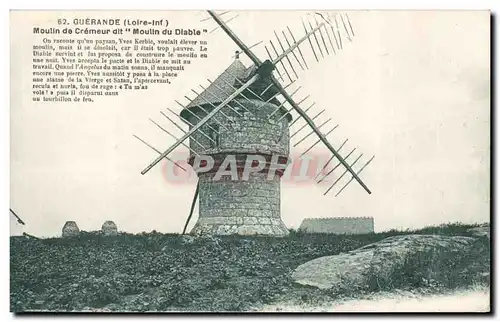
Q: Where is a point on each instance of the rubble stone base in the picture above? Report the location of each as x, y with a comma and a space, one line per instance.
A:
247, 226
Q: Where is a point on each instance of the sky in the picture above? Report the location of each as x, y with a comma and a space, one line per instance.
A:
412, 88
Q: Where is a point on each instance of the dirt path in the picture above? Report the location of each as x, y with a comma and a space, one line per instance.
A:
477, 300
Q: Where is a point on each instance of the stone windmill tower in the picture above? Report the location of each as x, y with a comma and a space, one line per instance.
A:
239, 133
234, 204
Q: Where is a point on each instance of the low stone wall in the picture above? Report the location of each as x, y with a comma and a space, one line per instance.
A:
338, 225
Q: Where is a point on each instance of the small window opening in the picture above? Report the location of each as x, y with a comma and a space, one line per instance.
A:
214, 134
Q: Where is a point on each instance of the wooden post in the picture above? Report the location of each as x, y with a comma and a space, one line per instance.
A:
193, 204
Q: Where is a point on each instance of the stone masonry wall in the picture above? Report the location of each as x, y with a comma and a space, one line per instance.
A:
338, 225
257, 197
244, 207
240, 207
250, 133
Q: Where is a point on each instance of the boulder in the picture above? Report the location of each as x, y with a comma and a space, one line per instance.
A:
109, 228
483, 231
70, 229
383, 259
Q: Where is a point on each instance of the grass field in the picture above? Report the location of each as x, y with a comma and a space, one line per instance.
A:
164, 272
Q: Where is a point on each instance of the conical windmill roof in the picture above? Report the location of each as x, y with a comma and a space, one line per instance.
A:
220, 89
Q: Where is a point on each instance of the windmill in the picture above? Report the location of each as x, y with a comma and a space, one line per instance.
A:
247, 113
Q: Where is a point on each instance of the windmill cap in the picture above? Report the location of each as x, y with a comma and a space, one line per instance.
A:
221, 88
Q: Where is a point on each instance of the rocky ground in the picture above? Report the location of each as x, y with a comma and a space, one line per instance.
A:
158, 272
475, 299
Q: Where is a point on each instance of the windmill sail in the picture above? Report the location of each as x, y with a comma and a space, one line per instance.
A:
200, 123
319, 134
19, 220
313, 32
235, 38
239, 82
